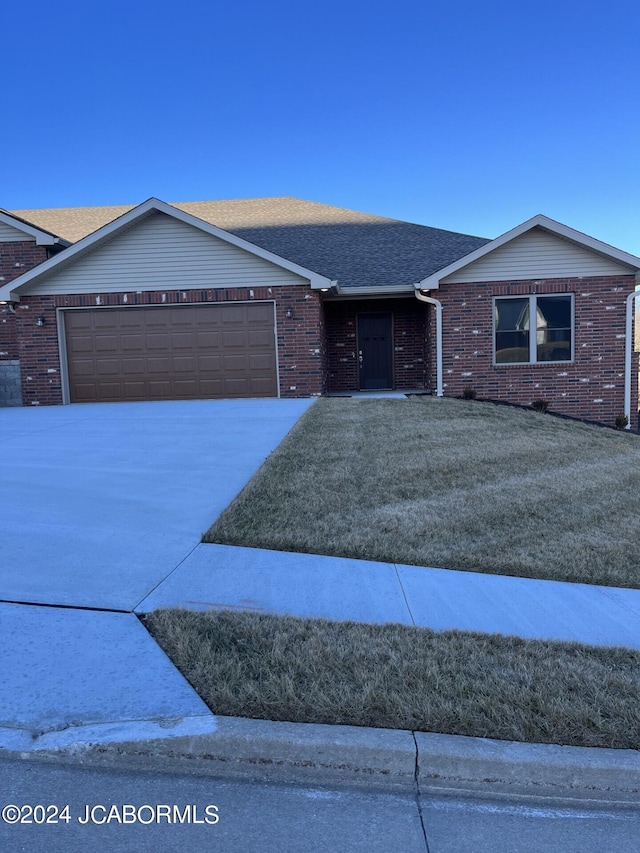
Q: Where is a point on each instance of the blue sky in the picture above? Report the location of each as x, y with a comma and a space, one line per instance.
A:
466, 116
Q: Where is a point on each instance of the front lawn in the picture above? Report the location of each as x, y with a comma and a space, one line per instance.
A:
400, 677
448, 483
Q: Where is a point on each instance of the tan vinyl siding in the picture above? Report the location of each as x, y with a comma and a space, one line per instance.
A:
163, 253
8, 234
537, 254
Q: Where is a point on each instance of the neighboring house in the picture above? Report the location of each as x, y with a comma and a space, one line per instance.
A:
283, 297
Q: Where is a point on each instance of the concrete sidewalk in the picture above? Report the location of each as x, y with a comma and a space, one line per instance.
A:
220, 576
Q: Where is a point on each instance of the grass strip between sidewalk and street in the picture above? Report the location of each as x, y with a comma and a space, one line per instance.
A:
448, 483
394, 676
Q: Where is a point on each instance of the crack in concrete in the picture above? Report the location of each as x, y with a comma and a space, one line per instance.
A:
416, 777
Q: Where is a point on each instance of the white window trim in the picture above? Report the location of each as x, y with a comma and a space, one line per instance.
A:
533, 341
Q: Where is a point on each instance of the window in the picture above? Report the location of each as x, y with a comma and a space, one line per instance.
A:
553, 337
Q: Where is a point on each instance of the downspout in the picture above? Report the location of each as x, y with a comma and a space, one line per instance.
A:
628, 351
438, 305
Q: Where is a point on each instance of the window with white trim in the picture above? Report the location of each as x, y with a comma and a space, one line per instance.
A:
514, 342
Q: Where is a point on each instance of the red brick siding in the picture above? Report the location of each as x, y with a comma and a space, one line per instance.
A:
409, 330
301, 349
591, 387
15, 259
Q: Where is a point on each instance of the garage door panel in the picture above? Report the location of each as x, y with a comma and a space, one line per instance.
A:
237, 387
233, 339
171, 352
78, 320
105, 320
81, 344
86, 393
85, 367
132, 342
212, 387
259, 362
182, 340
259, 338
179, 317
262, 387
184, 364
235, 363
155, 318
208, 340
107, 367
210, 363
260, 313
133, 366
160, 390
134, 390
109, 390
158, 341
106, 343
235, 314
131, 320
157, 364
185, 388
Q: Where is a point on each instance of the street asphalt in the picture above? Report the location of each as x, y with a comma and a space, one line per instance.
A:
104, 507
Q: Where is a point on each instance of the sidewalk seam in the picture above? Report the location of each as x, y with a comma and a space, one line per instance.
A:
404, 594
160, 582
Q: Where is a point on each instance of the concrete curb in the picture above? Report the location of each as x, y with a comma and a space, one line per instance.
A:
452, 761
392, 759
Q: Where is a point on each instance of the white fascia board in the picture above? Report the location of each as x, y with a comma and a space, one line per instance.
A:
538, 221
41, 237
11, 292
7, 294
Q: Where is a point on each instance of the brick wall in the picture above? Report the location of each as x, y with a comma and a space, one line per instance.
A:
591, 387
300, 339
15, 259
409, 330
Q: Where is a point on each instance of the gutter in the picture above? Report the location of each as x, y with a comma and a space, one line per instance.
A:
438, 306
628, 351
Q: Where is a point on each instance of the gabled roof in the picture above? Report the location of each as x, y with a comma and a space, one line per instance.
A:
577, 237
364, 253
10, 291
42, 236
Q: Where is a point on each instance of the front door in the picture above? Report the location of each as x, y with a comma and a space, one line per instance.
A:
375, 352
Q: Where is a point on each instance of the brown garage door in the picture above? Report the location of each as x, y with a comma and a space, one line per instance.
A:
171, 352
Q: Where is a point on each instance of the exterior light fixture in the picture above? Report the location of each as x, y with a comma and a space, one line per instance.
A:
40, 321
288, 313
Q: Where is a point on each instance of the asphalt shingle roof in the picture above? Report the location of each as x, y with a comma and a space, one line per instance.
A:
356, 249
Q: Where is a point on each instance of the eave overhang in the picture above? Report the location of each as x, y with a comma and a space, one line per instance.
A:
11, 291
42, 238
432, 282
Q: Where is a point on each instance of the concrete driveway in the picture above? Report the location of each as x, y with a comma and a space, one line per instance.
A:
100, 504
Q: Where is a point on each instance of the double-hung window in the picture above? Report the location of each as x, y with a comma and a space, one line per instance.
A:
532, 329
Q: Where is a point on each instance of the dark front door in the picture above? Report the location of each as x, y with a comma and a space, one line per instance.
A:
375, 352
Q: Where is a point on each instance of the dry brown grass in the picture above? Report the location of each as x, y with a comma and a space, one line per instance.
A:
449, 483
394, 676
